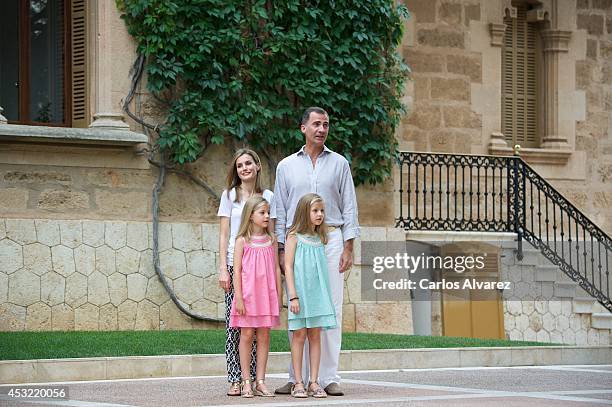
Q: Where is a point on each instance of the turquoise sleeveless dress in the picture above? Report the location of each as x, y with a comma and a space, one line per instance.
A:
312, 286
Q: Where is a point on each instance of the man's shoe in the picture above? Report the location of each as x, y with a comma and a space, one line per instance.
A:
286, 389
333, 389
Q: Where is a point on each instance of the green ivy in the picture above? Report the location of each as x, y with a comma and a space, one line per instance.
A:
247, 69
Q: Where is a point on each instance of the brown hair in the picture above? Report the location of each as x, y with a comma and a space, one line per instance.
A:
234, 181
313, 109
252, 204
301, 220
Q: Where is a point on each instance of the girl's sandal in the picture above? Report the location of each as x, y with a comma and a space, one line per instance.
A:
298, 393
246, 390
263, 393
317, 392
234, 389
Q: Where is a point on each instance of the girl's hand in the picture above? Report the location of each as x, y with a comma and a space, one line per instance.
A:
224, 278
294, 306
240, 307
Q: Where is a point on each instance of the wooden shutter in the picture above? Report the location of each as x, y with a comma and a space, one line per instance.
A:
79, 76
519, 81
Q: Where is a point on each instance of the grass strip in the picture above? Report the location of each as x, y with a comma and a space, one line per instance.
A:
54, 345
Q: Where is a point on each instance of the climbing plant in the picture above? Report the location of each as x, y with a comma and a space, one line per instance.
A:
247, 69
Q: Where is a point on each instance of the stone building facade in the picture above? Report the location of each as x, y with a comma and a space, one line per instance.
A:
75, 204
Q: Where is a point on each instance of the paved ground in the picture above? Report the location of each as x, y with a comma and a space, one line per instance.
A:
519, 386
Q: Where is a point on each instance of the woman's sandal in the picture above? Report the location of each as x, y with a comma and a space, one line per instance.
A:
318, 392
263, 393
246, 390
234, 389
298, 393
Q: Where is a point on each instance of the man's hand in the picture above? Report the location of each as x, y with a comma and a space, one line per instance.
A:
224, 278
281, 261
346, 259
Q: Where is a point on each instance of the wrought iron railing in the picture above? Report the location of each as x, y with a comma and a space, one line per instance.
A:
451, 192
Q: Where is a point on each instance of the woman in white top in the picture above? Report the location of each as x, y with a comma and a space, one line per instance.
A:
243, 181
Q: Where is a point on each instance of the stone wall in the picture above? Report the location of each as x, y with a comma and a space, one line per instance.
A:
98, 275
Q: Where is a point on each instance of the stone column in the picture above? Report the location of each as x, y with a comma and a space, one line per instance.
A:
106, 116
554, 42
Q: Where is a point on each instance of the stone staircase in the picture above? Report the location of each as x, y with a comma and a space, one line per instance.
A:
566, 289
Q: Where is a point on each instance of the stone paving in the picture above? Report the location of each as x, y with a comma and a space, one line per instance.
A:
541, 386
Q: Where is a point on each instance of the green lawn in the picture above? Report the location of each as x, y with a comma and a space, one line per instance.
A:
52, 345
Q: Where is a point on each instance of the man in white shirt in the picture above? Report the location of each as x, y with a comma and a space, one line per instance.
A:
315, 168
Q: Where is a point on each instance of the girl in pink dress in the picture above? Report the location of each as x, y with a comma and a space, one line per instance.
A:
256, 304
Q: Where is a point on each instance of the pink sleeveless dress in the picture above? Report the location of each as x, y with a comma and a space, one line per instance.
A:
258, 286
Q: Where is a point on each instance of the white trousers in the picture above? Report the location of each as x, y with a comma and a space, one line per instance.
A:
331, 339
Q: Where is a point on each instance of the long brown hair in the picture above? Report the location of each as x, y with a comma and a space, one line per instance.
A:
234, 181
301, 220
251, 205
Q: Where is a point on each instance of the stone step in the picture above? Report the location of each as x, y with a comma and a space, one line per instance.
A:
601, 320
565, 289
531, 257
583, 305
548, 273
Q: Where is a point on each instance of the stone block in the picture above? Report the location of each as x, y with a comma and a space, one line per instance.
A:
465, 65
47, 232
171, 318
52, 288
136, 287
12, 317
97, 289
60, 200
450, 89
212, 291
440, 38
93, 233
71, 233
172, 263
137, 236
156, 292
201, 263
421, 61
422, 11
21, 177
38, 317
108, 318
535, 322
2, 229
37, 258
472, 12
352, 284
569, 337
12, 199
63, 260
582, 4
21, 231
76, 290
115, 234
62, 318
181, 205
188, 288
203, 307
460, 116
348, 318
422, 88
146, 264
592, 49
3, 288
593, 23
86, 318
24, 288
105, 260
210, 236
485, 357
384, 318
128, 368
164, 239
147, 316
128, 260
425, 117
187, 236
11, 256
609, 24
117, 288
130, 204
85, 259
126, 315
450, 13
584, 72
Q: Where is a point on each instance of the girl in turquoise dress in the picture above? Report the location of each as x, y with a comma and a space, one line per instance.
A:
310, 303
